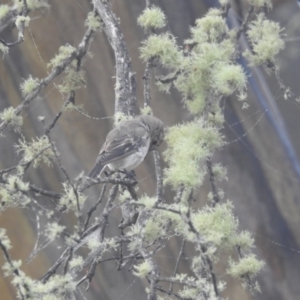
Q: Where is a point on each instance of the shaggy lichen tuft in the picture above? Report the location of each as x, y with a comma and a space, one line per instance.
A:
152, 17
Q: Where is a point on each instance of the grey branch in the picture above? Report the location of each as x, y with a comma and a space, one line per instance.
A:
125, 90
159, 176
78, 53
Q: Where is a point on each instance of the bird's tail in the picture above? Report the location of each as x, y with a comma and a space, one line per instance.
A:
97, 169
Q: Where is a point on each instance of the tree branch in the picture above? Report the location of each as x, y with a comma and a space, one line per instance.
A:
125, 90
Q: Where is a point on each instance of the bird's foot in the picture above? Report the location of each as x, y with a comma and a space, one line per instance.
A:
129, 174
109, 173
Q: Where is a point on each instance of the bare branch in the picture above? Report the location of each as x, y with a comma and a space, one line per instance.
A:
125, 91
159, 176
44, 192
146, 77
177, 264
81, 50
94, 207
245, 22
216, 198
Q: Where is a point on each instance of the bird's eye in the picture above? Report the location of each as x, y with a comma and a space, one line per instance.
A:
154, 143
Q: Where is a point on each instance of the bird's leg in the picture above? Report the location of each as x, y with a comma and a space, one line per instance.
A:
109, 173
123, 171
130, 174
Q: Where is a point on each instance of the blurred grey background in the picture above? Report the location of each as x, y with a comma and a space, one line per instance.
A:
263, 181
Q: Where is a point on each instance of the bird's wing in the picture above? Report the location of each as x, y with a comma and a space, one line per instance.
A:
119, 149
118, 146
122, 148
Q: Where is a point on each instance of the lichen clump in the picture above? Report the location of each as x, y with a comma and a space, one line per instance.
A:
152, 17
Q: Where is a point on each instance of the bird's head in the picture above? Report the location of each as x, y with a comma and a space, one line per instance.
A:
156, 128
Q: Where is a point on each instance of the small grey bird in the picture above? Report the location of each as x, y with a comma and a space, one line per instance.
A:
128, 143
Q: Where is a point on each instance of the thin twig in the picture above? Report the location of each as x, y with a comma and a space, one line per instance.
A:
23, 13
14, 269
69, 258
245, 22
216, 198
44, 192
94, 207
89, 276
159, 176
146, 77
179, 193
56, 265
125, 89
81, 49
177, 264
113, 180
26, 165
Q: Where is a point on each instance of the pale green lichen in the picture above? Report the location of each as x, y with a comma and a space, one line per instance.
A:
152, 17
93, 22
194, 289
164, 87
210, 70
15, 183
164, 48
57, 287
64, 53
142, 270
133, 234
216, 117
147, 110
154, 226
5, 197
245, 105
4, 10
69, 106
265, 39
261, 3
147, 202
4, 49
204, 73
217, 225
190, 145
152, 231
248, 265
12, 193
70, 239
242, 96
93, 243
244, 240
224, 2
70, 200
210, 28
10, 117
124, 195
72, 81
120, 117
38, 151
53, 230
188, 293
29, 85
22, 21
9, 268
33, 4
111, 244
227, 78
219, 171
76, 261
4, 239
